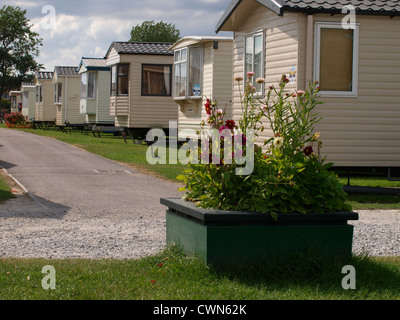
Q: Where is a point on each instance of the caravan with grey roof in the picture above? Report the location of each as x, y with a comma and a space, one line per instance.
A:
95, 88
66, 93
357, 67
141, 85
45, 110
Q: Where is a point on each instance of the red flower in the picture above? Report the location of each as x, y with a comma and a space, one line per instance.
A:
208, 107
159, 264
230, 124
308, 151
153, 281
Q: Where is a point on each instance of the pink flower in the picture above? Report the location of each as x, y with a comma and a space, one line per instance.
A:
250, 74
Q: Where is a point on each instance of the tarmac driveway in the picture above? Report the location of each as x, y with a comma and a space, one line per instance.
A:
81, 205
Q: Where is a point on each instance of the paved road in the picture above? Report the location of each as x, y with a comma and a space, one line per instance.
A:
83, 205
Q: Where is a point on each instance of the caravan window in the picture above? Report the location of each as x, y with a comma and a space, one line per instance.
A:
156, 80
88, 85
254, 59
188, 69
336, 59
120, 80
58, 93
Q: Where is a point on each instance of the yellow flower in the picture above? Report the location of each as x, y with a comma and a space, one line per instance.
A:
316, 136
278, 142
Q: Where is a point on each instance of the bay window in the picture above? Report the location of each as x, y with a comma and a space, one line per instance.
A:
188, 69
336, 59
88, 85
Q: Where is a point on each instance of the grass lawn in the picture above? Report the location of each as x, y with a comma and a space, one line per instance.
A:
173, 276
5, 189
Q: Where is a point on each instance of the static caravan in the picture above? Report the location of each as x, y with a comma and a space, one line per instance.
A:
67, 88
28, 93
141, 85
45, 109
95, 91
355, 58
15, 100
202, 70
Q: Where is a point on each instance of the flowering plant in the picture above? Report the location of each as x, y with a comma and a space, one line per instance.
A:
15, 120
289, 174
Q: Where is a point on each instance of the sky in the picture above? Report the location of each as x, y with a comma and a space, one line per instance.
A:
86, 28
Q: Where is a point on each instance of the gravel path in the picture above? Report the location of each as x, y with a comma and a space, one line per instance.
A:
28, 230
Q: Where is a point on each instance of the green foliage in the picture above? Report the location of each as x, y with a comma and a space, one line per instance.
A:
149, 31
18, 47
288, 175
6, 104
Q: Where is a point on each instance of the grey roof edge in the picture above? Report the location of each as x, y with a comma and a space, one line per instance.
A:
57, 69
38, 73
227, 14
97, 68
280, 6
114, 43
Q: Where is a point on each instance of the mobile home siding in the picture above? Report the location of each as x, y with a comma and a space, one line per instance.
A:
46, 110
135, 110
163, 109
28, 102
69, 108
365, 130
280, 48
103, 96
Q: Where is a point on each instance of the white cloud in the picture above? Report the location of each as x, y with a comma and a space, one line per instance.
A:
87, 27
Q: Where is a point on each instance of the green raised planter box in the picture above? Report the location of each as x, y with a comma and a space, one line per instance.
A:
221, 238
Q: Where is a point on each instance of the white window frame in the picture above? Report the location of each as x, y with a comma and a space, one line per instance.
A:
57, 94
317, 56
261, 33
85, 77
187, 61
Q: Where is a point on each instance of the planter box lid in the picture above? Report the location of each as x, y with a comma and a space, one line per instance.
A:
211, 216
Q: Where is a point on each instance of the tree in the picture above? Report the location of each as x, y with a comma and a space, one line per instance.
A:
18, 47
150, 31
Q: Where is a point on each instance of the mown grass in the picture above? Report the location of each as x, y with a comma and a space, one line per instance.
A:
171, 275
5, 190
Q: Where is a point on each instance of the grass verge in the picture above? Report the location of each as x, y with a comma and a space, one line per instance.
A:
171, 275
5, 187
